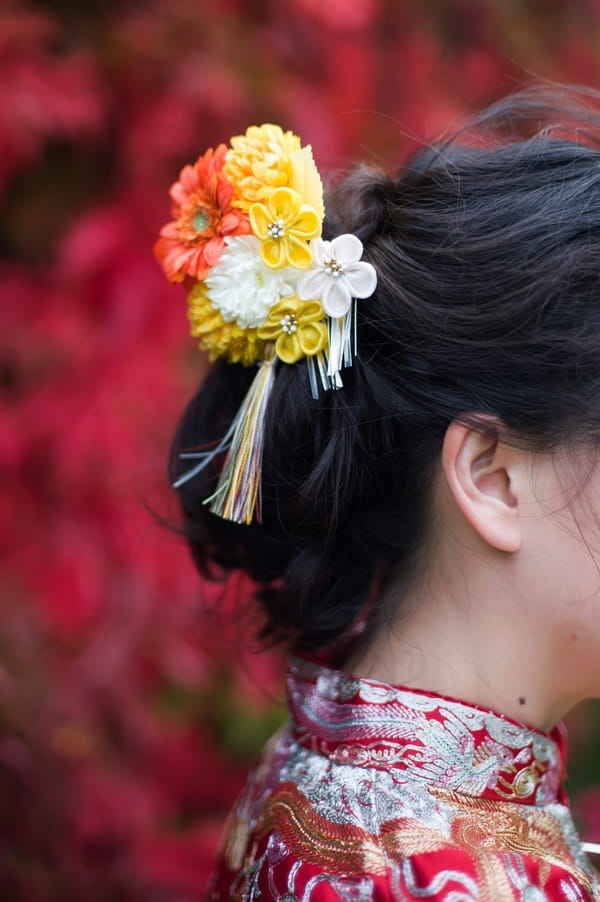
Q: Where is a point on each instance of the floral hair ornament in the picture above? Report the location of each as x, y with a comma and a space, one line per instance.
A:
264, 287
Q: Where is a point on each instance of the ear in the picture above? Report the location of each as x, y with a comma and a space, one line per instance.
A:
483, 475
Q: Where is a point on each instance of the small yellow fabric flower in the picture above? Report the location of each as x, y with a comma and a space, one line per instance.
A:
296, 327
218, 337
259, 161
285, 225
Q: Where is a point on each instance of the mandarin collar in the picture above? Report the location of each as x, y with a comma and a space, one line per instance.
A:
418, 736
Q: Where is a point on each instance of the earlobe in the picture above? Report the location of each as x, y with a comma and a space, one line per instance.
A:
480, 471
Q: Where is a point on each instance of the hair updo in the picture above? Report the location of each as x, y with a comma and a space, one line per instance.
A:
487, 251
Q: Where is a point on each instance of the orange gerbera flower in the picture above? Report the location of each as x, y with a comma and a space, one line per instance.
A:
202, 218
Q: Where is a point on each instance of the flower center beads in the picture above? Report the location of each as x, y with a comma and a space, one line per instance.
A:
289, 324
276, 229
334, 268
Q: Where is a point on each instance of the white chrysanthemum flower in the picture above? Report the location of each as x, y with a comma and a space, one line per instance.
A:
242, 288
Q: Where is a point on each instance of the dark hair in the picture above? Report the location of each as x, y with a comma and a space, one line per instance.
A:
487, 250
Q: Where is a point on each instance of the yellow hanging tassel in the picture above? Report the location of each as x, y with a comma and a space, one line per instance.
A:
237, 496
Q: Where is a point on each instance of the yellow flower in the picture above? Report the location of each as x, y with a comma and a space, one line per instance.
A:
296, 327
306, 180
259, 161
285, 225
266, 157
218, 337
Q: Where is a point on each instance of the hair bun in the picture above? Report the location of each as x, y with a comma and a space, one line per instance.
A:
362, 204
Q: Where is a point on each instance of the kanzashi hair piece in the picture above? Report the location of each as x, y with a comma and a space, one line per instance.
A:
264, 287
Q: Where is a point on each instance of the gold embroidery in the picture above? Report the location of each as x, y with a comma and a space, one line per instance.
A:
544, 872
343, 848
239, 826
480, 829
496, 827
339, 848
406, 837
524, 784
237, 831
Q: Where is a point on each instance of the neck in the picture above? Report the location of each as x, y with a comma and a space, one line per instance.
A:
479, 642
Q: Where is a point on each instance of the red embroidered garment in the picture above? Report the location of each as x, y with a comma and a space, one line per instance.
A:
375, 792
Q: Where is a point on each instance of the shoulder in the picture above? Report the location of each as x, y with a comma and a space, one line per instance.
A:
454, 847
309, 828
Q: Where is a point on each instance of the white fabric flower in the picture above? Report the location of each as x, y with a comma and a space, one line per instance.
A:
337, 275
242, 288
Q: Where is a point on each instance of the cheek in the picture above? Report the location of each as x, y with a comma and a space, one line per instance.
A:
581, 528
574, 553
576, 569
563, 564
578, 653
564, 569
571, 527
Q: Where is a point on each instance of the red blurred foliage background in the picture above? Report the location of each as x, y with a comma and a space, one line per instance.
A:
128, 716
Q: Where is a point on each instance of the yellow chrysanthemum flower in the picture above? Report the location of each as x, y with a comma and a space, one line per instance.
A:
218, 337
285, 225
296, 327
259, 161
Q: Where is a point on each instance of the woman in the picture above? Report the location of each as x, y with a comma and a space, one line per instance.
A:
412, 482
